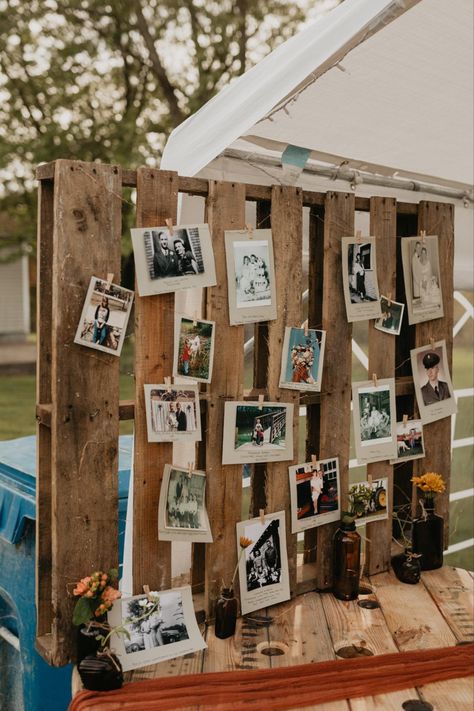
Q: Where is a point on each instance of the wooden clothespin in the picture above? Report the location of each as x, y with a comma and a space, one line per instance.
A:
110, 278
374, 379
405, 420
260, 402
190, 469
146, 589
389, 298
169, 225
358, 237
314, 461
168, 383
432, 341
423, 235
369, 479
195, 319
305, 327
249, 230
261, 513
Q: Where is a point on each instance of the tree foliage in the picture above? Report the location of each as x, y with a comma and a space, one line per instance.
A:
108, 81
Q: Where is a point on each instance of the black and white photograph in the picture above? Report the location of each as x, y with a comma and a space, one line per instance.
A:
263, 567
359, 278
251, 276
193, 349
376, 507
374, 416
392, 316
104, 318
182, 514
257, 432
421, 274
302, 359
433, 386
314, 490
172, 413
410, 443
171, 258
160, 626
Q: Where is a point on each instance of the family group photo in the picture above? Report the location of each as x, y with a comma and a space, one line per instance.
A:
185, 500
375, 415
263, 559
252, 273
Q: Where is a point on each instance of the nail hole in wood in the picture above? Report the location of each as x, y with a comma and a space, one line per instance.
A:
417, 705
352, 651
368, 604
365, 590
272, 649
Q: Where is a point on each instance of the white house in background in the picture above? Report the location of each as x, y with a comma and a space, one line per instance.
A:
14, 298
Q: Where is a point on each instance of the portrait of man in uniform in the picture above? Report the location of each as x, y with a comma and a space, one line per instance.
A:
434, 389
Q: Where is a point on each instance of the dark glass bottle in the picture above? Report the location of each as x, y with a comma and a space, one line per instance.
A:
428, 537
226, 614
88, 642
407, 567
101, 671
346, 562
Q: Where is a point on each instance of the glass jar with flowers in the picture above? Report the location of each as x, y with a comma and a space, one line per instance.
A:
346, 572
428, 529
226, 605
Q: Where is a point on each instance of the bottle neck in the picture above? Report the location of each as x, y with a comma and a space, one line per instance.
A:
227, 592
347, 525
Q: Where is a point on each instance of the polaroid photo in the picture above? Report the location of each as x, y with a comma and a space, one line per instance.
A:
255, 432
392, 316
169, 260
263, 567
314, 490
250, 276
433, 386
374, 413
104, 317
172, 413
302, 359
359, 278
376, 508
182, 514
410, 443
193, 349
169, 631
421, 274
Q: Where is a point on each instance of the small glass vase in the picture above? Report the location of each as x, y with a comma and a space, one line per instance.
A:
346, 562
101, 671
407, 567
428, 536
226, 614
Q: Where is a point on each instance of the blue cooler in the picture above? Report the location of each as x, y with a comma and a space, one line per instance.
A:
27, 683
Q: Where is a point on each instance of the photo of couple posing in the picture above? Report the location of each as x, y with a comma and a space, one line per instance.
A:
172, 254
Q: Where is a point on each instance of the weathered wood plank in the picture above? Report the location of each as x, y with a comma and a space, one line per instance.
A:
299, 625
452, 590
225, 211
44, 314
383, 224
417, 624
456, 695
438, 219
287, 235
157, 200
84, 463
336, 383
238, 652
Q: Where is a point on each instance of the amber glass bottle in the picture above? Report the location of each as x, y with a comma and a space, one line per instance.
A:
346, 561
226, 614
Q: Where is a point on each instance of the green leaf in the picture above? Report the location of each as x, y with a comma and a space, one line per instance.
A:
83, 611
113, 574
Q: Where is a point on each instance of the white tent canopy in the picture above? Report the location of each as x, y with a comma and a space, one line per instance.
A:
379, 92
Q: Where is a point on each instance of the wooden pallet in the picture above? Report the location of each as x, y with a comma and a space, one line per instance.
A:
78, 408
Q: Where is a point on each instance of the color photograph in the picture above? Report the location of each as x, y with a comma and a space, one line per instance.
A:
410, 443
193, 349
376, 506
172, 413
302, 359
374, 418
256, 432
169, 259
182, 514
359, 278
433, 386
104, 318
421, 275
314, 489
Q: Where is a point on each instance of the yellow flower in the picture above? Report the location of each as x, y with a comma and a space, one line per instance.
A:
430, 483
245, 542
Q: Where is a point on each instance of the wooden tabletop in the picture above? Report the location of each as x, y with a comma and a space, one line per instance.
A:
437, 612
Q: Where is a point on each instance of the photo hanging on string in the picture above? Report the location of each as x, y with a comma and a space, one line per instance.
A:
172, 413
182, 514
359, 278
314, 490
376, 507
250, 276
392, 316
302, 359
193, 349
410, 443
421, 275
255, 432
433, 387
104, 317
374, 417
170, 259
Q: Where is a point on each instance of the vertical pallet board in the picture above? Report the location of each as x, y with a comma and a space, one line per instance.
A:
225, 211
383, 225
336, 385
287, 233
438, 219
315, 317
44, 311
85, 390
157, 200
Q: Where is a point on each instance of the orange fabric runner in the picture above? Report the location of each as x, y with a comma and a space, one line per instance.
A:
285, 688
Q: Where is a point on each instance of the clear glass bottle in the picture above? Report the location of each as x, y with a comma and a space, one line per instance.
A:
346, 561
428, 536
226, 614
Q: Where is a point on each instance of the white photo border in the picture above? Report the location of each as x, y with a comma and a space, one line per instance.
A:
179, 318
443, 408
288, 385
255, 454
365, 310
378, 451
169, 533
194, 436
299, 525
